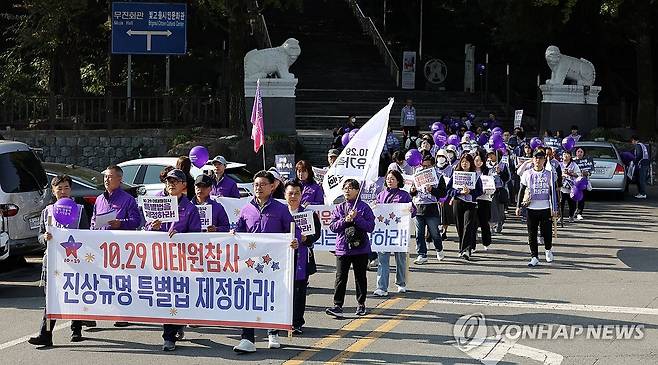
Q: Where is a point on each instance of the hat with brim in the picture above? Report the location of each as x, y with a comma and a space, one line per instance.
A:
219, 159
176, 174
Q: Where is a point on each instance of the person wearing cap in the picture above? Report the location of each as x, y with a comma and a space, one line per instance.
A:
264, 214
464, 205
114, 199
451, 152
278, 192
202, 187
223, 185
188, 221
312, 193
332, 155
537, 194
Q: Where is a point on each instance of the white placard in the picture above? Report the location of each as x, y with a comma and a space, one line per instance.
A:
304, 221
162, 208
463, 179
104, 219
425, 177
488, 182
518, 116
205, 213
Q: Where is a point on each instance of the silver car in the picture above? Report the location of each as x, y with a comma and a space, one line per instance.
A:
609, 172
23, 195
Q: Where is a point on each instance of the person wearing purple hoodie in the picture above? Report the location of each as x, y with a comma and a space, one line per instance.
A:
219, 221
264, 214
224, 185
312, 193
351, 220
393, 194
188, 221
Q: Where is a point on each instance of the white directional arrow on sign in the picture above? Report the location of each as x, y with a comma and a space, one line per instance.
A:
148, 34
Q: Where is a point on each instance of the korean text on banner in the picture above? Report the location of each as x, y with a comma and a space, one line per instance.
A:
360, 158
391, 234
425, 177
214, 279
518, 117
205, 213
304, 221
488, 182
162, 208
585, 164
463, 179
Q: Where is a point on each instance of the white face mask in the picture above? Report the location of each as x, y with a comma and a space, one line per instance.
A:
441, 161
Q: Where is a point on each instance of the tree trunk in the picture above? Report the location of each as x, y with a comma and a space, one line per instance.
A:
237, 47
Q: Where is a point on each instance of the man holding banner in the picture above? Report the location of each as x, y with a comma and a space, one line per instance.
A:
214, 217
263, 214
188, 221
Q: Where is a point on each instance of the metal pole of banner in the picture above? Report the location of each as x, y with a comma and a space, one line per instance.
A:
48, 327
291, 264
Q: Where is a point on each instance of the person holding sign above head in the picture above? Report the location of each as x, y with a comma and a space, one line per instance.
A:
304, 259
223, 185
264, 214
219, 219
426, 199
61, 188
464, 188
351, 220
393, 194
188, 221
537, 194
312, 193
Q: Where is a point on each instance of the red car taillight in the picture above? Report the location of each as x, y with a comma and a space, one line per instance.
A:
620, 170
90, 199
8, 210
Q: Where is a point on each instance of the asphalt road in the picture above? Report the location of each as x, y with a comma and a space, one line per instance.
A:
603, 281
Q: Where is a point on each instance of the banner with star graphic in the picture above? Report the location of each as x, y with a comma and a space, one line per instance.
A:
212, 279
392, 228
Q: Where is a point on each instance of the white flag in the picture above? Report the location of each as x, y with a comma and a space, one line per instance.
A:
360, 158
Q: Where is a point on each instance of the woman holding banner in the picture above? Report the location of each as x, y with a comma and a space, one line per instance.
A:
570, 171
444, 169
464, 194
580, 157
61, 188
500, 172
312, 193
484, 200
351, 220
393, 194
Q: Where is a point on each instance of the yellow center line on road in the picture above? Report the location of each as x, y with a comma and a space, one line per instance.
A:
342, 332
377, 333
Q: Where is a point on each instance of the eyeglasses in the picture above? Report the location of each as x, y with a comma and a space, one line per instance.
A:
348, 188
261, 185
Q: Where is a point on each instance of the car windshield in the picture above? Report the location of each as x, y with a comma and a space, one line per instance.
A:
21, 172
240, 175
84, 175
602, 152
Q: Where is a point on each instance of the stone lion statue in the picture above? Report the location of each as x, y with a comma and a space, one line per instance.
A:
259, 63
566, 67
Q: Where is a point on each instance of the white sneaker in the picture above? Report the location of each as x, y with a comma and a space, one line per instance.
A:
486, 248
579, 217
274, 342
402, 289
380, 293
245, 346
533, 262
420, 260
440, 255
549, 256
641, 196
570, 219
474, 250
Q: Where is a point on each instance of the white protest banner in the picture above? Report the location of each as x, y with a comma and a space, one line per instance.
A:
463, 179
213, 279
304, 221
162, 208
408, 182
488, 182
319, 173
205, 213
425, 177
360, 158
504, 160
233, 206
518, 116
391, 234
521, 160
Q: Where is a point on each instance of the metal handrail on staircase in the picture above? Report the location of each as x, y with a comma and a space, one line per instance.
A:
369, 27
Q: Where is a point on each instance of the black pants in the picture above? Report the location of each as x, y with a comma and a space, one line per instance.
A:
566, 198
466, 220
483, 216
360, 265
539, 220
581, 204
250, 334
299, 303
76, 326
169, 331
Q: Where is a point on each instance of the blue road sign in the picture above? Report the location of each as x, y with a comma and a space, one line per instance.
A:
149, 28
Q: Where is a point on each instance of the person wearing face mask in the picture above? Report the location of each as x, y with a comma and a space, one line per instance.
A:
464, 208
483, 201
444, 169
501, 175
451, 152
428, 216
570, 171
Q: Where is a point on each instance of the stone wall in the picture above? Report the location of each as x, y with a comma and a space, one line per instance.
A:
98, 148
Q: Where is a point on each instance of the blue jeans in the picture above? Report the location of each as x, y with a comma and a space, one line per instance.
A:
643, 171
432, 224
384, 269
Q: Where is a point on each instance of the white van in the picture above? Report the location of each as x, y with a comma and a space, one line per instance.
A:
23, 195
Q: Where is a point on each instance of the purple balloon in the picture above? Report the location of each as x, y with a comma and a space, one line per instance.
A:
471, 135
576, 194
345, 139
496, 139
413, 157
568, 143
454, 140
499, 145
353, 132
199, 156
437, 126
443, 199
483, 139
581, 183
65, 211
440, 139
497, 130
627, 157
535, 142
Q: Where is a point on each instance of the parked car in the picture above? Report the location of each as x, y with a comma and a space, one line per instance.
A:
4, 245
146, 171
609, 172
23, 195
87, 184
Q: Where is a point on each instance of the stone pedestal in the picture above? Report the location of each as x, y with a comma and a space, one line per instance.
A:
278, 104
566, 105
